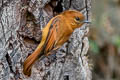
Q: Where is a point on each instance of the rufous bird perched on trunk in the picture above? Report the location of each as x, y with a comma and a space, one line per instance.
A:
54, 35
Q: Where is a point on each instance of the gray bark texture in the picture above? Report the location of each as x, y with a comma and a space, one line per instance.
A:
21, 22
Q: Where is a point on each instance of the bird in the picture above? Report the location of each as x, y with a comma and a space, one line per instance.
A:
54, 35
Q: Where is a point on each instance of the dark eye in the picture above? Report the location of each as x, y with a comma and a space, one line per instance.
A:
77, 18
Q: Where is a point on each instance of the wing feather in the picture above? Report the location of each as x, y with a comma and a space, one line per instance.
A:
50, 42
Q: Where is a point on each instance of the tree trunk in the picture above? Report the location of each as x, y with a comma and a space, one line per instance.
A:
21, 22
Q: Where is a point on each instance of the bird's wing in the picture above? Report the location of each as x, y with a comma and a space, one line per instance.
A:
51, 39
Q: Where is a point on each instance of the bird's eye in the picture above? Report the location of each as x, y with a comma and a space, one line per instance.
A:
77, 18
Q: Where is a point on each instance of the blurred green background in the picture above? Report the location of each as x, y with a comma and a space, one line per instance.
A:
104, 37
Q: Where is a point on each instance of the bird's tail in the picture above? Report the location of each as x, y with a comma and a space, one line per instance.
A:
31, 60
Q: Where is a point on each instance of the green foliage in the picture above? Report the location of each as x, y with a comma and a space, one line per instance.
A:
116, 41
94, 46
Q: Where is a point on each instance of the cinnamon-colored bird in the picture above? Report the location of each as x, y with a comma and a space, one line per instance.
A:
54, 35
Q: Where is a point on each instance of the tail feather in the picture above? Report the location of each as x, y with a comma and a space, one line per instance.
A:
31, 60
28, 64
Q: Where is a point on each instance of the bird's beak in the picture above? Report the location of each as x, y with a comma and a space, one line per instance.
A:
86, 21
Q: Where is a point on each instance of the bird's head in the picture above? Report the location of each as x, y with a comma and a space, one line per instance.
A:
74, 18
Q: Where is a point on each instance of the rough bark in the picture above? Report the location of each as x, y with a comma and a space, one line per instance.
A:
21, 22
